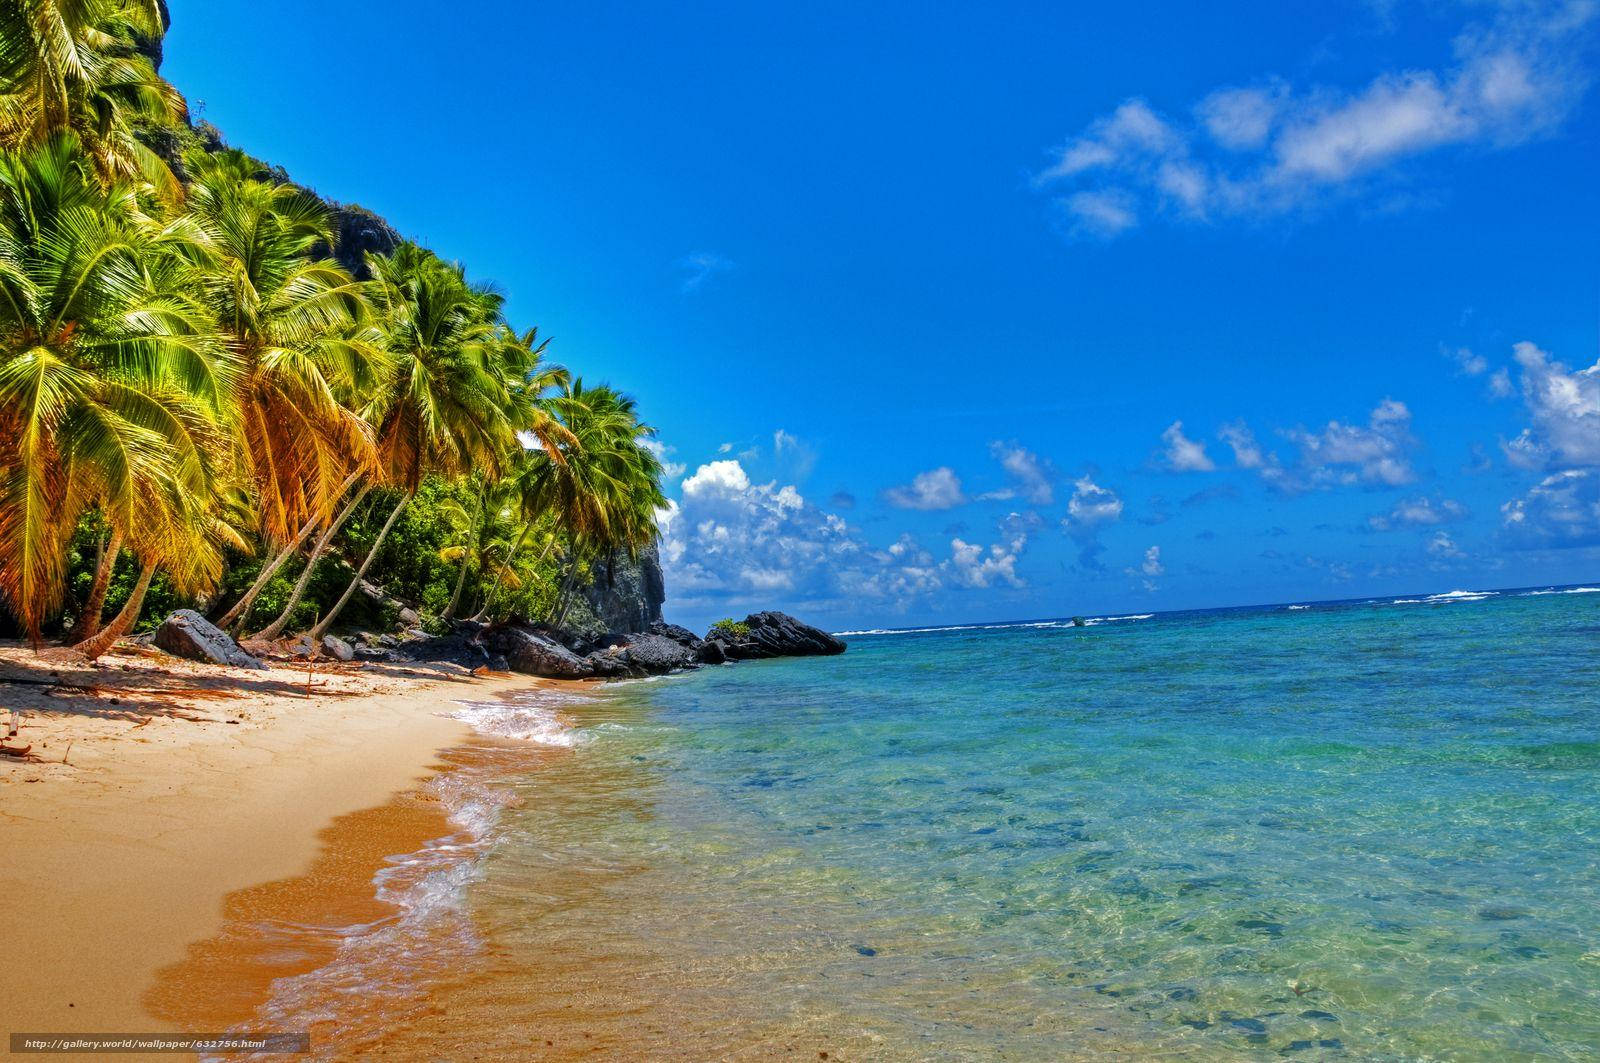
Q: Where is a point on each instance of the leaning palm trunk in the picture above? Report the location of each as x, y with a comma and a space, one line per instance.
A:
274, 629
89, 623
500, 577
241, 609
466, 558
102, 641
361, 573
564, 602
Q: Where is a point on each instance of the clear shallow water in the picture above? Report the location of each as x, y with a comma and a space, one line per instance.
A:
1364, 831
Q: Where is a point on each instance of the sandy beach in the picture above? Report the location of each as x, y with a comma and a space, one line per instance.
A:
158, 792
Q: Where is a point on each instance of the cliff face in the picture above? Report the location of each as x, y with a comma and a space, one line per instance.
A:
625, 596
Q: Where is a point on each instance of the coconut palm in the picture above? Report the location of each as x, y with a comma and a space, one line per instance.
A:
604, 488
450, 398
298, 325
111, 373
83, 66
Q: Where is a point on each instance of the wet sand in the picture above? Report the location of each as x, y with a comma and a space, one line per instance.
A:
158, 792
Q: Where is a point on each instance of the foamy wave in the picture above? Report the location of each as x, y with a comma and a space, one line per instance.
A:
1292, 607
1447, 596
530, 716
1036, 625
1563, 590
387, 964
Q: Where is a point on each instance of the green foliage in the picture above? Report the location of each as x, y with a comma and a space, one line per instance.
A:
729, 628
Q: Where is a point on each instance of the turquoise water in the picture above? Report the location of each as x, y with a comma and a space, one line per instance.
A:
1350, 831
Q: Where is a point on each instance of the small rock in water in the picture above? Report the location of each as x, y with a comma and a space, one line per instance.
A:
1324, 1016
1500, 913
1183, 992
1253, 1025
1266, 926
866, 950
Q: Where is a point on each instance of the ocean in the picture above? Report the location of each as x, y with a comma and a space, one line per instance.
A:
1346, 830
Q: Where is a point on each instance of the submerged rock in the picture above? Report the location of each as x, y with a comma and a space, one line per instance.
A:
188, 634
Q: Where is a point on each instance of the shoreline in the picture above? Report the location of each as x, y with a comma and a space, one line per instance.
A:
159, 791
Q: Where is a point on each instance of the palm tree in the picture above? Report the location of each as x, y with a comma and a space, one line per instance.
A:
450, 398
299, 331
111, 373
81, 65
604, 488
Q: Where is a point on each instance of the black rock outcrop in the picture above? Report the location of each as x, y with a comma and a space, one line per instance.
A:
777, 635
188, 634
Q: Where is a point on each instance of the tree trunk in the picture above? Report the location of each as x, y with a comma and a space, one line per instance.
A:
241, 609
102, 641
274, 629
89, 622
466, 556
564, 602
501, 575
333, 614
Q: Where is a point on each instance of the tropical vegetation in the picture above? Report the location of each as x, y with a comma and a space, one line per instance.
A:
207, 399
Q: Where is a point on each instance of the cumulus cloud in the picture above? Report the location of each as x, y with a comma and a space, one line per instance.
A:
1149, 569
1418, 512
1090, 508
729, 543
1561, 510
1338, 454
1269, 148
935, 489
1470, 364
1564, 406
971, 565
1183, 454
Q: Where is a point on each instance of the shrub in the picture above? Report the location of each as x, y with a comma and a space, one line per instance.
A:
729, 628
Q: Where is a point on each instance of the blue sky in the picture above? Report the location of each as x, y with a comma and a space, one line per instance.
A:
948, 313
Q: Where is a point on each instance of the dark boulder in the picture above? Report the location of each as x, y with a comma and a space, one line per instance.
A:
681, 635
188, 634
535, 653
713, 651
610, 664
779, 635
657, 654
337, 648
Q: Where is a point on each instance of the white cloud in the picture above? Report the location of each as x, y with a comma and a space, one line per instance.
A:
935, 489
731, 545
1565, 408
1418, 512
1471, 364
971, 565
1561, 510
1338, 454
1440, 545
1149, 569
1500, 386
1268, 149
1090, 508
1184, 454
1033, 478
1102, 214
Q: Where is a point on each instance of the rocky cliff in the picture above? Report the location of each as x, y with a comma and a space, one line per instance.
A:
625, 595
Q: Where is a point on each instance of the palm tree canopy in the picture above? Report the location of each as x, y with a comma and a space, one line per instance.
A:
605, 485
80, 65
300, 329
111, 375
451, 401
